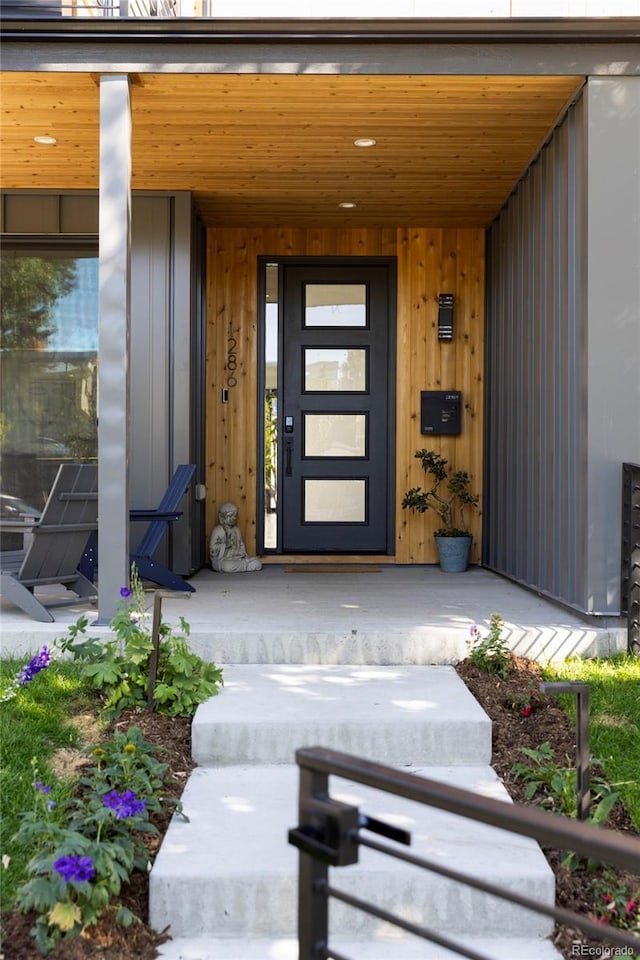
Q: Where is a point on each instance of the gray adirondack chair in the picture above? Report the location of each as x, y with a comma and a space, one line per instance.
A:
55, 546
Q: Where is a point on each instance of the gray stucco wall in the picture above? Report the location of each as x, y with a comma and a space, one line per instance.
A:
613, 305
563, 355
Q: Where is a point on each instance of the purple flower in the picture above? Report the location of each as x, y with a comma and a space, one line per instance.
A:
134, 805
75, 868
41, 787
85, 869
66, 867
125, 592
112, 799
35, 665
125, 804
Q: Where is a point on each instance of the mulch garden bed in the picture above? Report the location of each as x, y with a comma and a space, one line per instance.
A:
511, 731
109, 940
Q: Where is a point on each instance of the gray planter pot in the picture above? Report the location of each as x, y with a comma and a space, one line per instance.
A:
454, 553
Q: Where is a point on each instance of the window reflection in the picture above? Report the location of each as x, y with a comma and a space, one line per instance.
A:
49, 354
335, 370
335, 305
335, 501
335, 435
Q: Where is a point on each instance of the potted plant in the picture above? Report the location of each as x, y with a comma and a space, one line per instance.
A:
453, 540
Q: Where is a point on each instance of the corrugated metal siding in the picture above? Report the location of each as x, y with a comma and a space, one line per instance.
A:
536, 432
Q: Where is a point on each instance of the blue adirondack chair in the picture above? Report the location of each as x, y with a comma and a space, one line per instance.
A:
159, 519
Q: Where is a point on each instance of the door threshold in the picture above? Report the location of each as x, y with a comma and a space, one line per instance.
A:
333, 558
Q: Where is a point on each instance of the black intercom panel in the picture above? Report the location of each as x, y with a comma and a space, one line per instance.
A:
440, 412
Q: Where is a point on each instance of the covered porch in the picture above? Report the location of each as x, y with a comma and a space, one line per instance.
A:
240, 142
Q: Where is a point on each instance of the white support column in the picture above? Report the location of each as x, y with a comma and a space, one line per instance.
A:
113, 341
613, 318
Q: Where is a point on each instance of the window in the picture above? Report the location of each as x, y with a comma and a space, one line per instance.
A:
270, 360
49, 356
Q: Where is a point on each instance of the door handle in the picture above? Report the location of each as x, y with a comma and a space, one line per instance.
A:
288, 452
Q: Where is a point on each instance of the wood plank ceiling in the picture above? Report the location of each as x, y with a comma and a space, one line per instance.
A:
266, 150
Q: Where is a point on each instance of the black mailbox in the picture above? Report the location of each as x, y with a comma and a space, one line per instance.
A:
440, 411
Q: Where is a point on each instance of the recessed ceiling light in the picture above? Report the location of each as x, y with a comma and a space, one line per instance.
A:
365, 142
347, 204
49, 141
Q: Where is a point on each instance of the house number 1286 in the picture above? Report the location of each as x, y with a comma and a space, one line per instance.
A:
232, 359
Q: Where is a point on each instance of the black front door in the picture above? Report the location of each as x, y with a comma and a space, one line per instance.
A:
336, 442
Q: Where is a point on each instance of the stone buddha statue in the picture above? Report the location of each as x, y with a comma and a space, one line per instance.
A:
226, 547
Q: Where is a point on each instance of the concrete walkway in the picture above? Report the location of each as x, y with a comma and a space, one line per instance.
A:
359, 661
340, 660
225, 879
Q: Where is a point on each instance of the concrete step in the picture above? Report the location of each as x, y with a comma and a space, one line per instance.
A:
333, 644
229, 871
393, 715
495, 948
423, 644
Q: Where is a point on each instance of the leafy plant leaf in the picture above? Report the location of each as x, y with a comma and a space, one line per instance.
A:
104, 673
65, 916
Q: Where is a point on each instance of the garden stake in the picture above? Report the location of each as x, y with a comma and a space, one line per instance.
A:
155, 637
581, 691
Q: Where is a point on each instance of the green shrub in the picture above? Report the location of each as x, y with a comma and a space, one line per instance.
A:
119, 667
491, 653
87, 845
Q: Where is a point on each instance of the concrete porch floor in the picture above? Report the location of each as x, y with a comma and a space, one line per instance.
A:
386, 613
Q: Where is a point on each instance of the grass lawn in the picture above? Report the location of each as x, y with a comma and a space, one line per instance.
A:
614, 726
34, 726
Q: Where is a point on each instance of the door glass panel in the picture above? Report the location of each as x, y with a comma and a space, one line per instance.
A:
335, 434
335, 305
334, 501
335, 370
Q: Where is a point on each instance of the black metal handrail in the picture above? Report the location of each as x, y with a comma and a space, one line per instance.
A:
630, 565
329, 834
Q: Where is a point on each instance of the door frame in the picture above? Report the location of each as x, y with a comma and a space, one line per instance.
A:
390, 263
